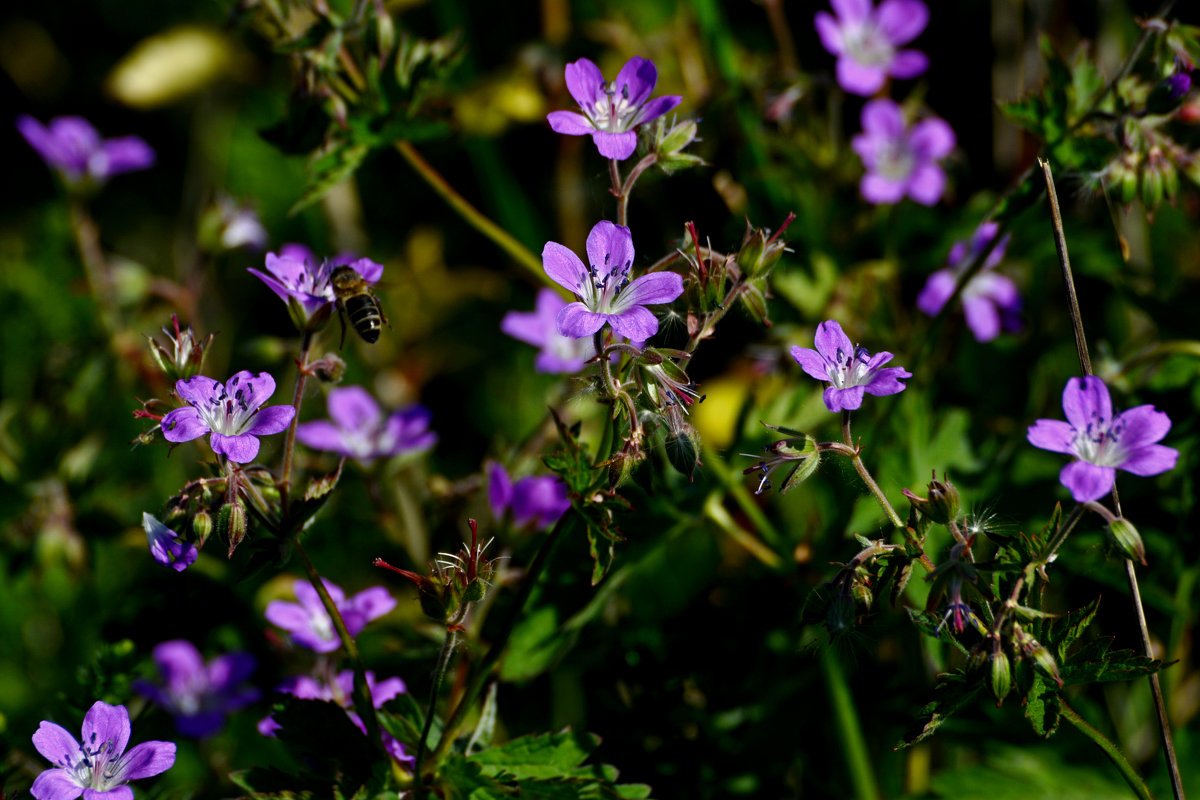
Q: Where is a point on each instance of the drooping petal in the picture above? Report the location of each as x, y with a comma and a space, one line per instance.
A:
636, 80
931, 139
831, 341
147, 759
1140, 426
499, 489
1052, 434
812, 362
575, 321
564, 267
1087, 482
926, 184
908, 64
585, 82
322, 434
619, 146
570, 123
651, 289
829, 32
56, 744
183, 425
55, 784
166, 547
880, 190
1086, 401
902, 20
540, 498
240, 449
103, 722
609, 248
863, 80
983, 318
637, 323
849, 399
1150, 459
655, 108
272, 419
353, 409
936, 292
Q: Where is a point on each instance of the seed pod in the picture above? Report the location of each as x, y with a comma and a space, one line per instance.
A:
1127, 539
1001, 676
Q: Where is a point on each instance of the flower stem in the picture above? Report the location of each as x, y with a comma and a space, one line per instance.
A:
1060, 243
1109, 747
289, 447
849, 728
506, 241
863, 473
439, 675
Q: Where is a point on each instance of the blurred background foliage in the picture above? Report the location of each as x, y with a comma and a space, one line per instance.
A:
689, 660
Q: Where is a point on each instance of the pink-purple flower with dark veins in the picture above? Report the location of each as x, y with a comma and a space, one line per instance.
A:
357, 428
900, 160
611, 111
99, 768
309, 623
199, 695
991, 302
851, 371
232, 414
72, 146
606, 293
866, 41
1101, 442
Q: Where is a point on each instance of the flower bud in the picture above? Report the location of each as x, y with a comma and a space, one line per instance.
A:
941, 505
761, 251
669, 145
1001, 676
1042, 658
755, 301
231, 524
1127, 539
182, 356
385, 31
202, 524
1152, 186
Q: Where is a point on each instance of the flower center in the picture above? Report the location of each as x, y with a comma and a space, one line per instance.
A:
321, 625
1100, 444
226, 415
868, 45
601, 292
895, 160
613, 112
98, 766
849, 370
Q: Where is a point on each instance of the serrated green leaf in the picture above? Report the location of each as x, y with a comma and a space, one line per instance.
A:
328, 170
1041, 706
929, 624
549, 755
1064, 632
952, 692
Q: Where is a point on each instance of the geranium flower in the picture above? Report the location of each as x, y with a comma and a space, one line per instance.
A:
309, 623
611, 110
851, 370
166, 545
604, 287
900, 160
294, 274
232, 414
990, 300
358, 430
197, 694
1102, 443
71, 146
558, 353
100, 767
537, 499
865, 40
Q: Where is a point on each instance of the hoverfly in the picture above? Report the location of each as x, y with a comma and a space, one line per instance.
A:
356, 301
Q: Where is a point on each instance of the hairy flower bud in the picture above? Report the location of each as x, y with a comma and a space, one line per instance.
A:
1127, 539
231, 524
1032, 648
182, 356
202, 524
761, 249
941, 505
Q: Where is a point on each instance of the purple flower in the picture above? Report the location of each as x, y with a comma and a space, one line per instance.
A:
199, 695
865, 40
166, 546
604, 287
296, 275
990, 300
900, 160
559, 354
851, 370
72, 146
341, 691
232, 413
537, 499
611, 110
1101, 442
311, 626
358, 429
100, 767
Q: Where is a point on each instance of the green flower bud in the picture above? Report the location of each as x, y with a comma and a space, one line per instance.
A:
1127, 539
231, 524
1001, 676
202, 524
942, 504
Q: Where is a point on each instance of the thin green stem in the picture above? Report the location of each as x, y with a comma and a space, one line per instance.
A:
625, 189
614, 174
865, 474
289, 447
849, 729
1060, 243
1110, 749
506, 241
439, 676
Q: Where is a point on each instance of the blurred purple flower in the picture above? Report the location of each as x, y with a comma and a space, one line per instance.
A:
71, 146
851, 370
358, 430
1102, 443
990, 300
232, 413
865, 41
310, 625
199, 695
240, 227
605, 288
341, 691
166, 545
900, 160
559, 354
295, 274
100, 767
611, 110
537, 499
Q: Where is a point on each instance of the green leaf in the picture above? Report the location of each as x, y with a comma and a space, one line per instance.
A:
329, 169
1066, 630
1041, 706
547, 755
534, 645
951, 693
931, 625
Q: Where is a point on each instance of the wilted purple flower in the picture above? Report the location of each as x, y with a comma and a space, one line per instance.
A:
537, 499
100, 767
611, 110
166, 545
1101, 442
851, 370
605, 288
865, 40
199, 695
990, 300
233, 413
310, 625
358, 429
341, 691
900, 160
559, 354
72, 146
296, 275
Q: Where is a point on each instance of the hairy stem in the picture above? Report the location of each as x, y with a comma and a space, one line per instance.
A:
289, 447
1110, 749
439, 675
863, 473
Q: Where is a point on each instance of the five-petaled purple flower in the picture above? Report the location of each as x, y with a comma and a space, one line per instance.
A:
1101, 442
900, 160
341, 691
865, 40
611, 111
309, 623
99, 768
233, 413
990, 300
167, 546
358, 430
851, 370
296, 275
72, 146
558, 353
604, 286
199, 695
536, 499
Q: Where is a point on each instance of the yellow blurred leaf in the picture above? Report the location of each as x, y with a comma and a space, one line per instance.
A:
171, 65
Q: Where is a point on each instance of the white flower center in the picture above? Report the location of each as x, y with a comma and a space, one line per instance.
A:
99, 766
868, 45
229, 416
1101, 445
320, 624
613, 112
895, 160
850, 370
